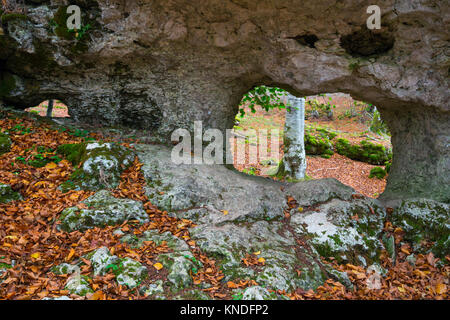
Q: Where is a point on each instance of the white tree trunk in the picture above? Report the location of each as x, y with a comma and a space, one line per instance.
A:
294, 160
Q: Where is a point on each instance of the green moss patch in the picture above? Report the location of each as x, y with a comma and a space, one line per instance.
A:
378, 173
60, 23
73, 152
102, 165
318, 141
7, 17
365, 151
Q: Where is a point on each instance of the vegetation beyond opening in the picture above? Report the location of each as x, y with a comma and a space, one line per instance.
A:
345, 139
59, 110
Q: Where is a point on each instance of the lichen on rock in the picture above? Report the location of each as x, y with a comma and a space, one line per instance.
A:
130, 273
347, 231
152, 289
103, 209
101, 259
424, 219
79, 285
180, 265
258, 293
365, 151
65, 268
101, 165
174, 243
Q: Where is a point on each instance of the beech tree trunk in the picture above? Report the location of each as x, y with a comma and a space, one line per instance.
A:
294, 161
50, 108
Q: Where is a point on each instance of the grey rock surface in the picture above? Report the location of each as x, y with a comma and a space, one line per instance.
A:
159, 66
103, 209
344, 230
101, 165
424, 219
235, 217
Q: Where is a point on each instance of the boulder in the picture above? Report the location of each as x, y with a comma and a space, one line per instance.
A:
425, 220
258, 293
79, 285
103, 209
131, 273
347, 231
128, 272
101, 165
180, 266
102, 260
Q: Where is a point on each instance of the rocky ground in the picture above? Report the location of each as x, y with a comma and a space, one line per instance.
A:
86, 216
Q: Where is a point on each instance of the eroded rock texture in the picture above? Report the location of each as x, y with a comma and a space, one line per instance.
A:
161, 64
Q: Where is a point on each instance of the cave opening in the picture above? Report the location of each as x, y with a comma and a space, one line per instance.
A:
344, 138
51, 108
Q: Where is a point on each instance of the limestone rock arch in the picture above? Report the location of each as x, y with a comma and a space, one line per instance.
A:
162, 64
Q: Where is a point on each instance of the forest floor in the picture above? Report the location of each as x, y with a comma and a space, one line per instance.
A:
30, 243
350, 121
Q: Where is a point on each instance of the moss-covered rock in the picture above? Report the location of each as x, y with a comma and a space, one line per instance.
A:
389, 245
378, 173
180, 265
101, 260
194, 294
318, 141
130, 273
79, 285
101, 165
152, 289
5, 143
60, 24
103, 209
425, 220
346, 231
7, 194
258, 293
174, 243
365, 151
229, 244
64, 268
